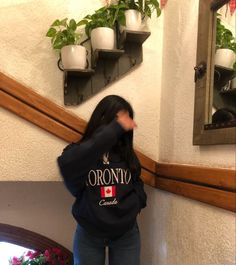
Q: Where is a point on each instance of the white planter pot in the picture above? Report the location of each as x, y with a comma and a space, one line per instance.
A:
74, 57
133, 20
103, 38
225, 57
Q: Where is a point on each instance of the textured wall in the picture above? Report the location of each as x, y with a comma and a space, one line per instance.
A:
27, 56
186, 232
177, 99
43, 207
182, 231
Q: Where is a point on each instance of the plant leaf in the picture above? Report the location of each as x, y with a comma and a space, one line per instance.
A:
72, 24
51, 32
63, 22
56, 23
82, 22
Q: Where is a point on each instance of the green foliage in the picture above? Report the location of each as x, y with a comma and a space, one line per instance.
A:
63, 33
224, 37
145, 7
104, 17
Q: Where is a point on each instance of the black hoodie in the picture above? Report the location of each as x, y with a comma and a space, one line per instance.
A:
108, 196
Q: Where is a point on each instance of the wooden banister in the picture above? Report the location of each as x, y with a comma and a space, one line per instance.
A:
40, 103
215, 186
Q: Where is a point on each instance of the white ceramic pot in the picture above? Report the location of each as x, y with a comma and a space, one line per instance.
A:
133, 20
225, 57
103, 38
74, 57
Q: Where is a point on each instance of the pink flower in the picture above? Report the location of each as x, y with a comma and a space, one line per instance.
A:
34, 254
62, 262
16, 261
47, 255
29, 253
57, 251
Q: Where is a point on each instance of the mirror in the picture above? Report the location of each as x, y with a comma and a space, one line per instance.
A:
215, 76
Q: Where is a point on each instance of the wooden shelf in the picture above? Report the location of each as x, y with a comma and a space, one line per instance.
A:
134, 36
213, 126
107, 66
225, 69
229, 92
108, 54
223, 96
102, 54
81, 73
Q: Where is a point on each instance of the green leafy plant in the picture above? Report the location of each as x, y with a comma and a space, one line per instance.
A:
145, 7
64, 32
224, 37
106, 16
51, 256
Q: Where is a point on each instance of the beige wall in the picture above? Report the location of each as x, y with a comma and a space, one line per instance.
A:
43, 207
177, 100
175, 230
182, 231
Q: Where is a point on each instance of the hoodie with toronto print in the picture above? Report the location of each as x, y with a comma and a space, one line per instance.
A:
108, 195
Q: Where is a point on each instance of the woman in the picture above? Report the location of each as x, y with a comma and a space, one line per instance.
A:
103, 173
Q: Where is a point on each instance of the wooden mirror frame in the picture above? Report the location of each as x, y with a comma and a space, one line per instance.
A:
203, 95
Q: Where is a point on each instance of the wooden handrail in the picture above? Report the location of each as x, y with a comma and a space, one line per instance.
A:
221, 178
40, 103
215, 186
37, 118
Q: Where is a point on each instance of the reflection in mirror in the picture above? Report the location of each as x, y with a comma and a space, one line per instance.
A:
215, 93
223, 91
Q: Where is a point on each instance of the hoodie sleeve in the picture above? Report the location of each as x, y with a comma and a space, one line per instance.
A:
139, 189
139, 186
76, 159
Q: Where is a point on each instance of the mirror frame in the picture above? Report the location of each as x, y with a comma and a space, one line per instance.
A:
203, 86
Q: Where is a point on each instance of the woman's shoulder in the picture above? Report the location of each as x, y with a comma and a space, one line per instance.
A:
70, 145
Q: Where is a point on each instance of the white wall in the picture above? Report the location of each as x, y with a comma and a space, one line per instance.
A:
43, 207
177, 100
183, 231
175, 230
27, 152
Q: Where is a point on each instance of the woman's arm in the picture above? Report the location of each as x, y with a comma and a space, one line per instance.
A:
76, 159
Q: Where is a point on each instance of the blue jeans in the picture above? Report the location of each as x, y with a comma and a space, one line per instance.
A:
90, 250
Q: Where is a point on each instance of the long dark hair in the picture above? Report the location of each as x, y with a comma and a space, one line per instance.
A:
105, 112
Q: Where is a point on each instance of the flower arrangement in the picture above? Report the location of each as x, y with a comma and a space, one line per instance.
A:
51, 256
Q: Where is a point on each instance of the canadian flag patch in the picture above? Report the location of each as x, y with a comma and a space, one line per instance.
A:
108, 191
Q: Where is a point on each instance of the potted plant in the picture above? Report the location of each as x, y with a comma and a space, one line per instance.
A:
49, 256
137, 10
225, 46
100, 26
65, 38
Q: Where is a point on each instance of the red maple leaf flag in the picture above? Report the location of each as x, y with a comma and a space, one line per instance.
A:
108, 191
232, 6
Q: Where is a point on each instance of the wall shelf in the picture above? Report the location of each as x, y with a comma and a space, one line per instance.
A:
106, 54
107, 66
223, 96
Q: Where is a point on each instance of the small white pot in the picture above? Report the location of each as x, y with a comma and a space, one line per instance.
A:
133, 20
74, 57
225, 57
103, 38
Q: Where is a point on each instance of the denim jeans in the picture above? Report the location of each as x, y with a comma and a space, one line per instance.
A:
90, 250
